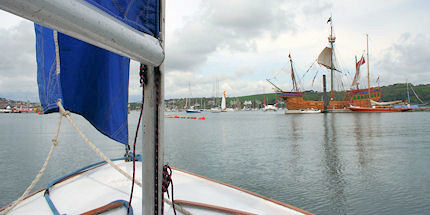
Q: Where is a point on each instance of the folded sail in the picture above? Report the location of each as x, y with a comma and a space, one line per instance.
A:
385, 103
89, 80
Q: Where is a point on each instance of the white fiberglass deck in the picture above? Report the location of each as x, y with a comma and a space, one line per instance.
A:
102, 185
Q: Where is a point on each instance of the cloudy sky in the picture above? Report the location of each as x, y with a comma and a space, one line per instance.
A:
241, 43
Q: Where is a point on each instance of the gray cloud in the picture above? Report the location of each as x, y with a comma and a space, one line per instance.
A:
408, 59
316, 7
18, 62
232, 25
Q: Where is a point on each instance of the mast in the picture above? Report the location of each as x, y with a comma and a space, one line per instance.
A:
293, 77
325, 94
368, 73
153, 132
216, 92
264, 100
354, 81
331, 40
407, 90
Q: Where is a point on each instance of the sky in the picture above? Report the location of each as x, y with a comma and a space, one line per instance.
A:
242, 43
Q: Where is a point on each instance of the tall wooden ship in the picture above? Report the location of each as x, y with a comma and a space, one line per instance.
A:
356, 97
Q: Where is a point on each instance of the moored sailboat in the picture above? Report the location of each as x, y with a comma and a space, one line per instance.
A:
294, 99
371, 105
378, 109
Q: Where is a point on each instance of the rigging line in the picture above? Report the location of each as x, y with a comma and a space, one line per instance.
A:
157, 85
93, 147
308, 70
41, 171
416, 94
313, 79
142, 82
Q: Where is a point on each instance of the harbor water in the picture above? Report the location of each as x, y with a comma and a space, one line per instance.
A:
335, 163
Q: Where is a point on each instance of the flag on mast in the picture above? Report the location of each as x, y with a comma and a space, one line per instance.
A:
360, 62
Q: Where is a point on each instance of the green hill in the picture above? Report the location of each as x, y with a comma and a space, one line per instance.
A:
399, 92
389, 93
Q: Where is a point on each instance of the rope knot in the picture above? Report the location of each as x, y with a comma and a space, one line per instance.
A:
55, 141
166, 181
143, 71
167, 178
65, 113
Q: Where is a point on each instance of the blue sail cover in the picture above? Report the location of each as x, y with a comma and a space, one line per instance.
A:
92, 82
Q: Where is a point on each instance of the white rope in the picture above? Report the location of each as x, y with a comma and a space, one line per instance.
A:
54, 144
41, 171
177, 207
67, 115
57, 52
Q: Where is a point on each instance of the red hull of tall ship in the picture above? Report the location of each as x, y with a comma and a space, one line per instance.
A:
295, 100
379, 109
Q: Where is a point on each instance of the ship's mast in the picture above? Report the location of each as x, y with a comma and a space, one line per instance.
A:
355, 81
331, 40
407, 90
368, 73
293, 77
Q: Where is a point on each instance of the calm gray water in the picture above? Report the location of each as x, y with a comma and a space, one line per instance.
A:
362, 163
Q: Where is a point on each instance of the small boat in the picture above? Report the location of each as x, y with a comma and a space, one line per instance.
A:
303, 111
379, 109
215, 110
192, 110
382, 107
6, 110
270, 108
223, 103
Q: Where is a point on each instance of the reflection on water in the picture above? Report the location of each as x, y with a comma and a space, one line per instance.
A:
333, 166
323, 163
294, 143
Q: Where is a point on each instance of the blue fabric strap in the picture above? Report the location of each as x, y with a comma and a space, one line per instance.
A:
50, 184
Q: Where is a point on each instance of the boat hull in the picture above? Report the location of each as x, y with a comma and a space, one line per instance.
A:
379, 109
96, 187
295, 100
192, 111
302, 111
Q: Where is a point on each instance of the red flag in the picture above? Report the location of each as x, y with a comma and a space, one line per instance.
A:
360, 62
